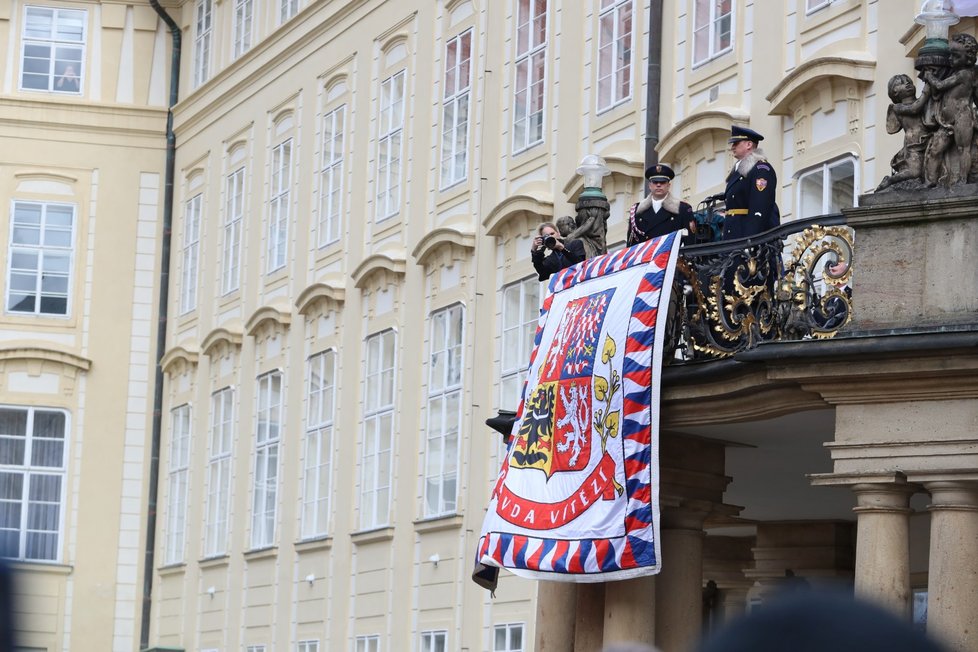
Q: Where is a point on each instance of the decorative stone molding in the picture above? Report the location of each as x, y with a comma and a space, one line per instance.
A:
177, 358
802, 79
320, 298
516, 209
36, 361
220, 341
443, 246
265, 318
388, 267
691, 129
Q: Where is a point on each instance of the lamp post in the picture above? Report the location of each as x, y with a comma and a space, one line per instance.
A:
937, 17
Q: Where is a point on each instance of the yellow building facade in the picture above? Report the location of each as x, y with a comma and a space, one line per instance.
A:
82, 116
356, 189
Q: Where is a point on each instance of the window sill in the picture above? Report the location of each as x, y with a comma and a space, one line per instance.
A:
372, 536
214, 562
48, 568
172, 569
438, 523
313, 545
261, 553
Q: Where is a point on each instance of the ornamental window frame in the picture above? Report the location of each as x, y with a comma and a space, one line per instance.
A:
178, 484
55, 241
269, 417
390, 145
379, 403
714, 31
331, 179
621, 74
318, 444
32, 473
219, 469
203, 37
446, 363
456, 101
825, 169
59, 42
190, 253
530, 74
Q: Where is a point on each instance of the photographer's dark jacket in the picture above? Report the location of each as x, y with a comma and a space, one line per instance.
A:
645, 223
549, 264
749, 198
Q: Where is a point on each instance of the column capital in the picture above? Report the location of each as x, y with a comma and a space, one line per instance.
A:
957, 495
884, 497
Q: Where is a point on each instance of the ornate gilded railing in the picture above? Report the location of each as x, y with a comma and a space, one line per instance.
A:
788, 283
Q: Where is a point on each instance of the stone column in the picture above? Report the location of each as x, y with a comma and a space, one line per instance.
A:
589, 626
679, 609
556, 606
883, 545
952, 587
629, 611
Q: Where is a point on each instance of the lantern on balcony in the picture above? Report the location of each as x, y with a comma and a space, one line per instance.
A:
593, 169
937, 17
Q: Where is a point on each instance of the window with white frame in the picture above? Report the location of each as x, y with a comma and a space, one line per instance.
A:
190, 253
287, 9
508, 638
32, 482
521, 311
614, 53
712, 29
255, 648
40, 258
814, 5
828, 188
307, 646
331, 177
376, 465
278, 208
203, 32
320, 395
219, 473
267, 437
444, 411
233, 219
178, 482
455, 109
243, 19
53, 49
389, 146
531, 65
369, 643
434, 641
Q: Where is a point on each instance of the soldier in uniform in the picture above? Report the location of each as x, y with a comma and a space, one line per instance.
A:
749, 196
659, 213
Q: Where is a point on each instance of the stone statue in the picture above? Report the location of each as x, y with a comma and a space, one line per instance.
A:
906, 114
592, 225
940, 148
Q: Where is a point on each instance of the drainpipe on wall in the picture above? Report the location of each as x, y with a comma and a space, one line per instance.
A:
154, 463
654, 80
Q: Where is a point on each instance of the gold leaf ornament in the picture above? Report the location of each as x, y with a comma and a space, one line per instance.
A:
611, 424
609, 350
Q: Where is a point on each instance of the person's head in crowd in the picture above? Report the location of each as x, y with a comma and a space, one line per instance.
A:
660, 180
628, 647
566, 225
743, 141
813, 621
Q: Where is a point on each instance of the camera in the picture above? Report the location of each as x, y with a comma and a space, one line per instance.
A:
550, 242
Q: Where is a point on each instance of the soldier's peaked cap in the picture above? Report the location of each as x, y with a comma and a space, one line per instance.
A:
738, 134
659, 172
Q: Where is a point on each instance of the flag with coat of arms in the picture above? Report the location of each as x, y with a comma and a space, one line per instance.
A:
577, 497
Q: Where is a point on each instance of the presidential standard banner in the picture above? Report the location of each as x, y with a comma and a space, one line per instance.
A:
577, 497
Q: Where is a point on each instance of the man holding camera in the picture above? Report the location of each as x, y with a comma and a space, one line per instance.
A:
659, 213
550, 253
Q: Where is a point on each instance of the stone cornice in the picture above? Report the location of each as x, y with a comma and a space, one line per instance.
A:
319, 292
266, 314
801, 78
377, 263
45, 353
230, 336
435, 239
511, 207
692, 126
